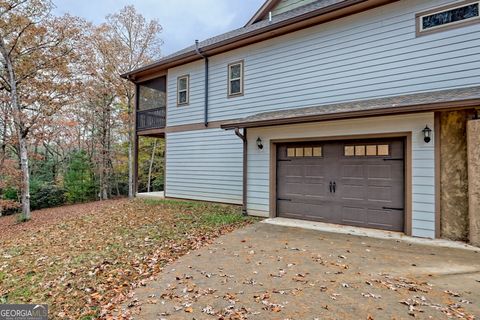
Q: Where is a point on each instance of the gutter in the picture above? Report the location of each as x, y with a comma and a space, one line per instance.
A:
244, 185
205, 58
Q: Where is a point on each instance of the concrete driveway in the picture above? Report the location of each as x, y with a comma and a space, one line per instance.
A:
274, 272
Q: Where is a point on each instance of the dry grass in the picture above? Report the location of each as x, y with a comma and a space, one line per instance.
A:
85, 262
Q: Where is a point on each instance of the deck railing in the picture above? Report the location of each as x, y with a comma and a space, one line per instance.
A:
151, 119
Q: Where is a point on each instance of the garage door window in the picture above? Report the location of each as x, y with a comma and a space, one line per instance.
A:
366, 150
304, 152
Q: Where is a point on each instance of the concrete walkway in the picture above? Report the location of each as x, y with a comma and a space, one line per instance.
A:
268, 271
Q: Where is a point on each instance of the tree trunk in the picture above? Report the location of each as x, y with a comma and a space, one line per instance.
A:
130, 150
22, 135
151, 165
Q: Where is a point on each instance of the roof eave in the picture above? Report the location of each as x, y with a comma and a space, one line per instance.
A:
245, 123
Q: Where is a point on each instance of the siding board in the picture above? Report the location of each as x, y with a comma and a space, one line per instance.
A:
364, 56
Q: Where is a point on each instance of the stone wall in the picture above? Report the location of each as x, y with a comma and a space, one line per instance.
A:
454, 219
473, 147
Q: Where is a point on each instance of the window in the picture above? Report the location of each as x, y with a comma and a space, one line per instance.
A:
235, 79
366, 150
453, 15
183, 87
304, 152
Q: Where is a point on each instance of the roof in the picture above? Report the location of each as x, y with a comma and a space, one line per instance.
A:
267, 6
315, 9
418, 102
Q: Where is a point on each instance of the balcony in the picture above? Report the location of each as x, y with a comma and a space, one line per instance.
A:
151, 119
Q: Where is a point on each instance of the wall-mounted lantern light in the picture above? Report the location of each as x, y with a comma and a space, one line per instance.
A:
427, 132
259, 143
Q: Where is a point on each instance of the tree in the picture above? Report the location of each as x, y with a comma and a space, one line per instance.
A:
37, 51
130, 41
79, 182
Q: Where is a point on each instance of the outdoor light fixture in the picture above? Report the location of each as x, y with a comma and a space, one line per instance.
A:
427, 132
259, 143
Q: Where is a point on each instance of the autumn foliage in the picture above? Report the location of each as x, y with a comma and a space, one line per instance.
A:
61, 95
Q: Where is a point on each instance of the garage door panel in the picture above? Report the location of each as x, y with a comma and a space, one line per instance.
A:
351, 171
316, 211
379, 194
353, 215
353, 192
364, 185
379, 172
385, 219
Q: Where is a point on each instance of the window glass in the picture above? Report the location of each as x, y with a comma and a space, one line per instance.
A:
372, 150
182, 84
317, 151
235, 79
359, 150
291, 152
235, 71
182, 97
299, 152
383, 150
235, 87
349, 151
450, 16
368, 150
307, 152
182, 90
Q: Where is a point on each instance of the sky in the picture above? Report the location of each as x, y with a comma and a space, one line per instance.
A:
183, 21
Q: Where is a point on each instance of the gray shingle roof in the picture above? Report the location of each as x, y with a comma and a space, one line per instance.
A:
264, 24
417, 102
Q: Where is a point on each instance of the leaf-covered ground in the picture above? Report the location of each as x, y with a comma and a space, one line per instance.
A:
84, 260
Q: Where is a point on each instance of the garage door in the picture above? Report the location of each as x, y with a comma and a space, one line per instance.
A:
359, 183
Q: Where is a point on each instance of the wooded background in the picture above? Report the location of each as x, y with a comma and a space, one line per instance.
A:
66, 116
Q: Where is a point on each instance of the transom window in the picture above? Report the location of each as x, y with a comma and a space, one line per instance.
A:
183, 87
366, 150
235, 79
304, 152
448, 16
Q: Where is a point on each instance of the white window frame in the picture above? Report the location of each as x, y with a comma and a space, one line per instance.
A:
420, 16
230, 79
187, 90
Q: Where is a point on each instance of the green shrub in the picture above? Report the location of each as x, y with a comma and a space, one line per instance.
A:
10, 194
157, 184
47, 196
79, 183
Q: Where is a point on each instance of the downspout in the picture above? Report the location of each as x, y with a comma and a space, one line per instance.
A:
244, 186
205, 58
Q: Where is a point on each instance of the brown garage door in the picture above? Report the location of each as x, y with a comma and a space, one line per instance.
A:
359, 183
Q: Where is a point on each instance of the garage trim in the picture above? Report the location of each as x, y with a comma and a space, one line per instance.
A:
408, 168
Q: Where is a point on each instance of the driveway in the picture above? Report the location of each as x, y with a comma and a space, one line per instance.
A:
273, 272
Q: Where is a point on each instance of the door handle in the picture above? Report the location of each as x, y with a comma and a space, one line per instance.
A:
331, 186
334, 186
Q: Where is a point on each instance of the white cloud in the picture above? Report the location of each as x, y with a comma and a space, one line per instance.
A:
183, 21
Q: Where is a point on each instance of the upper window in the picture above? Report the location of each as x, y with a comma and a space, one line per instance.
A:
450, 16
183, 87
235, 79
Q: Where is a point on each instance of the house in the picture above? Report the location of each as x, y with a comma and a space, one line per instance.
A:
353, 112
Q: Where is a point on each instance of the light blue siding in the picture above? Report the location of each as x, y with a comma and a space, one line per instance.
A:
204, 165
368, 55
287, 5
